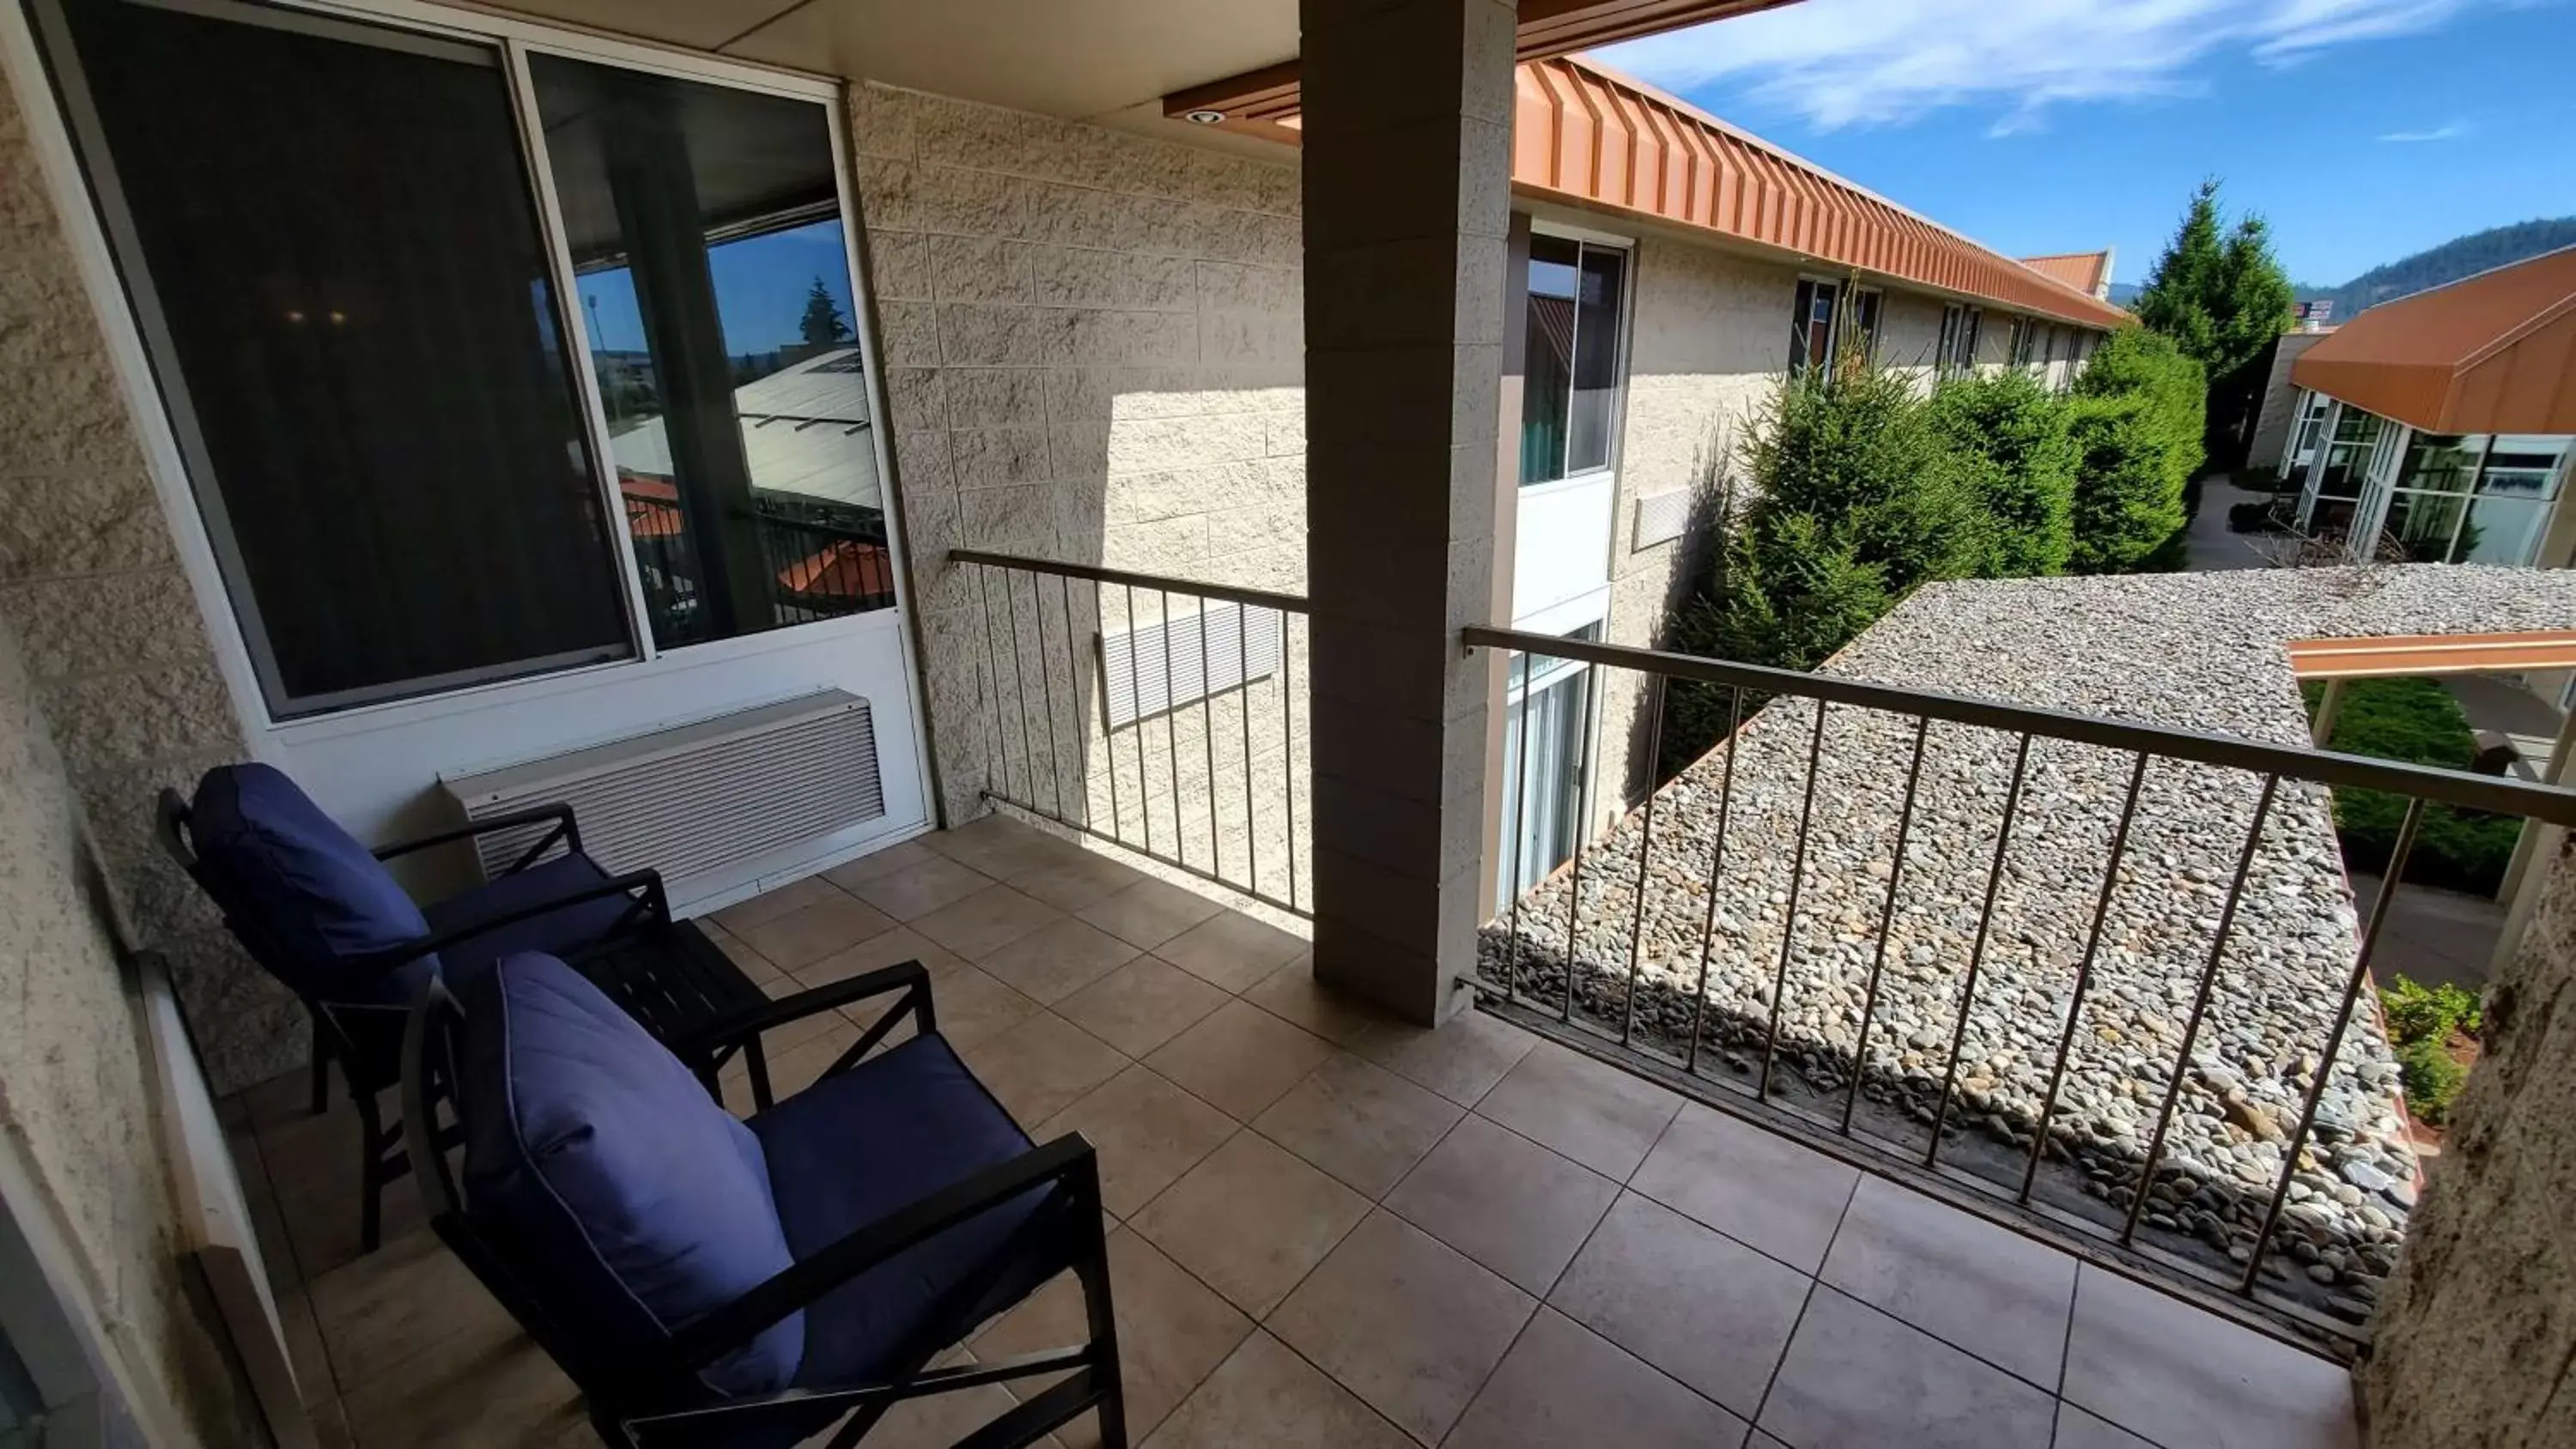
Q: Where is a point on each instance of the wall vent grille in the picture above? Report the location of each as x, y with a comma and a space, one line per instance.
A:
1156, 668
1662, 518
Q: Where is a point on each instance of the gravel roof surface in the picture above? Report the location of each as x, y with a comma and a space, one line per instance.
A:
2197, 651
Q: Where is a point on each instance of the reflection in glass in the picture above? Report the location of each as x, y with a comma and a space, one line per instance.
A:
1570, 360
1596, 359
705, 231
2501, 530
2422, 525
2442, 462
2348, 455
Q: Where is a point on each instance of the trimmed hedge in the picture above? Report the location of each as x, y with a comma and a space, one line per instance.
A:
2417, 721
2014, 447
2139, 406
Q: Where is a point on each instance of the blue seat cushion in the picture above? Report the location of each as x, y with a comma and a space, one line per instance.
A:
306, 898
556, 933
607, 1178
855, 1147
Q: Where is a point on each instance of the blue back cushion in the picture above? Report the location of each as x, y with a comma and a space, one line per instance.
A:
305, 897
613, 1185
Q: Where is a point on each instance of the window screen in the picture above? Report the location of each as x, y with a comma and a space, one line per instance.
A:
333, 243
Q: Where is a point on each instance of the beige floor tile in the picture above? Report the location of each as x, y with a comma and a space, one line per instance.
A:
1147, 1131
1042, 1065
888, 948
1987, 1289
506, 1394
1241, 1058
914, 891
774, 903
400, 1300
1172, 1332
1564, 1384
986, 921
1505, 1201
2161, 1368
1359, 1122
1231, 950
1408, 1324
304, 1352
314, 1169
1266, 1395
280, 1099
330, 1426
903, 855
2077, 1429
1293, 993
807, 934
973, 1008
800, 1066
1057, 959
1461, 1059
1002, 847
1149, 912
1250, 1221
1589, 1110
1141, 1005
1856, 1378
760, 969
1696, 1304
1070, 885
1757, 1187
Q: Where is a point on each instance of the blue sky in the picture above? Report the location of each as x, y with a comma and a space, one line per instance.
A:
760, 290
2362, 129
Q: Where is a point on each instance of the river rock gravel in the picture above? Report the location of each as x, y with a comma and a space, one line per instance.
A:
2192, 651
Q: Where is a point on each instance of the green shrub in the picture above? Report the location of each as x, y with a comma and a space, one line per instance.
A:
2417, 1012
2417, 721
2430, 1078
2012, 440
2136, 425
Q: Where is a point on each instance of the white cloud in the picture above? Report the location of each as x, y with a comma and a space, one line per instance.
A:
1874, 62
2449, 131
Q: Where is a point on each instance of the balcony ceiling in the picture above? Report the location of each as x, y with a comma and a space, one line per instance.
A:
1089, 60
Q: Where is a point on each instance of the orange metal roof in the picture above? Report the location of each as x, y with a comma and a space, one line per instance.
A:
1587, 134
2086, 272
2494, 353
2413, 654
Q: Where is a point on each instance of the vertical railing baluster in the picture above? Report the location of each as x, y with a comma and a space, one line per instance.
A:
1172, 735
2083, 978
1789, 928
1574, 892
1207, 737
1716, 867
1886, 924
1135, 718
2199, 1007
1288, 754
1645, 854
1001, 738
1020, 693
1108, 741
1046, 690
2388, 883
1243, 696
1073, 702
1977, 950
1520, 827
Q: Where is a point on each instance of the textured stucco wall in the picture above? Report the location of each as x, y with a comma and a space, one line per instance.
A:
1909, 334
75, 1100
2475, 1343
1094, 352
114, 648
2280, 400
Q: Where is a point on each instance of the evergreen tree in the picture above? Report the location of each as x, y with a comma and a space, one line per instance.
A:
2222, 297
823, 323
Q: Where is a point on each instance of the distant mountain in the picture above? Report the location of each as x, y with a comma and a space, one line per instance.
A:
2459, 257
2124, 294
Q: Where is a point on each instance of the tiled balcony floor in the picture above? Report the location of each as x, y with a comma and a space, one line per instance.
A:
1335, 1230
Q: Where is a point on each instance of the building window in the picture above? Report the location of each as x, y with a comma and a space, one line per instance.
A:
1570, 379
1811, 325
2025, 341
1958, 347
2471, 498
358, 316
1547, 730
1864, 316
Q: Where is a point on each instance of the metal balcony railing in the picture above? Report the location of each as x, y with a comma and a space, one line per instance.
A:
2094, 980
1165, 716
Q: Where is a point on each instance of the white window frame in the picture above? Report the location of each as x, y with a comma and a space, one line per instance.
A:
1961, 326
198, 550
1627, 247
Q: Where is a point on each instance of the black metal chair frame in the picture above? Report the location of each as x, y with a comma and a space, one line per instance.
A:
382, 1160
642, 1403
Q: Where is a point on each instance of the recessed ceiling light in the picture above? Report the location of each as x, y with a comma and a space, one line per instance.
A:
1204, 118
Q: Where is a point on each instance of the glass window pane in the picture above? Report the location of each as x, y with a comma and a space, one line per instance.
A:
2502, 530
1866, 312
2421, 526
705, 229
1596, 358
1547, 376
2524, 465
2441, 462
355, 311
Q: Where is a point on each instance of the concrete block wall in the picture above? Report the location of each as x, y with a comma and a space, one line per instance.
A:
1093, 349
114, 646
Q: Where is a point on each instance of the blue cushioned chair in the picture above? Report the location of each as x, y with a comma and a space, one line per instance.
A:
708, 1281
321, 913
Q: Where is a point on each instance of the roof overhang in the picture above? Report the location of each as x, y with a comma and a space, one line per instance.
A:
2422, 654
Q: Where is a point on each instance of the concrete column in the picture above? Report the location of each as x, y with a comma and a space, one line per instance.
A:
1407, 188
